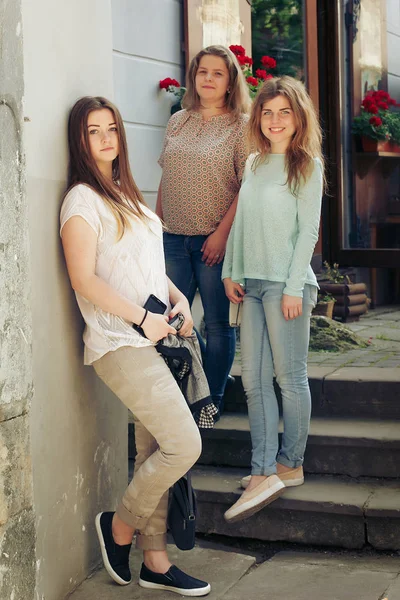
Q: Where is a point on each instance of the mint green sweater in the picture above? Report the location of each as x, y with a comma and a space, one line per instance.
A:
274, 233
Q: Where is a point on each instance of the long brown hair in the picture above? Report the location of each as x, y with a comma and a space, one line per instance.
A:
121, 194
237, 100
307, 139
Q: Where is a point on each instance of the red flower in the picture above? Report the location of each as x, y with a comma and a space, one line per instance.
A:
373, 109
261, 74
237, 50
268, 62
375, 121
382, 95
269, 76
168, 82
244, 60
379, 98
252, 81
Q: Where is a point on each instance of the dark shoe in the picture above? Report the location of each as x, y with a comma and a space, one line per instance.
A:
217, 417
173, 580
115, 557
218, 401
230, 382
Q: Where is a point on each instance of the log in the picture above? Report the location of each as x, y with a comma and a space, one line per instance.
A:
349, 311
351, 300
343, 288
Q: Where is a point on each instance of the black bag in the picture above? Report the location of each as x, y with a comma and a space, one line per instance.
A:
182, 513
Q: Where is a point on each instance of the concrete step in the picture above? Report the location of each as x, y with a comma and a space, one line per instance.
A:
362, 392
326, 510
336, 446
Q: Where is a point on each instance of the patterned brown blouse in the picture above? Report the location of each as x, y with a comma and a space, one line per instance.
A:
203, 163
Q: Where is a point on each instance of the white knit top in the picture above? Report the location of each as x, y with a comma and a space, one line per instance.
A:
134, 266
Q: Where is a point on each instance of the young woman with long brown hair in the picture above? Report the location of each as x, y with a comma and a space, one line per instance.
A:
268, 253
114, 253
203, 160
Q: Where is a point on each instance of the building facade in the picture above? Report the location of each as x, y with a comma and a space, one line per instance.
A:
63, 436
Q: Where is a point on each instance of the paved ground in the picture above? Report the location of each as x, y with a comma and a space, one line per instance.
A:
220, 568
381, 327
297, 576
285, 576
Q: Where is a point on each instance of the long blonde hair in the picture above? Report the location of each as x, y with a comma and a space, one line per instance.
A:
82, 167
237, 100
307, 139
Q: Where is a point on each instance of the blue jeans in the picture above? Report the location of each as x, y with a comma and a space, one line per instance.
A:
268, 344
183, 258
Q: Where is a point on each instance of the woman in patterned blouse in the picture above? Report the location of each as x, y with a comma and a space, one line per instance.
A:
203, 160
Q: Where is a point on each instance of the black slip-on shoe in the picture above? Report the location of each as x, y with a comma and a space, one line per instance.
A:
230, 382
173, 580
115, 557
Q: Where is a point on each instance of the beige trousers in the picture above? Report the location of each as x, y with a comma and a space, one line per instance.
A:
168, 441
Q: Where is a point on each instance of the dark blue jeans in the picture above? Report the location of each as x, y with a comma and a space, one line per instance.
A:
188, 272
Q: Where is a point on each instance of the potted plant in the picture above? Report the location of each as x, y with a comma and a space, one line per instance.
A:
393, 124
174, 87
351, 299
324, 306
376, 125
255, 81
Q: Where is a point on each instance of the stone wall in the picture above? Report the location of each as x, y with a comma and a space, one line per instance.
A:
17, 531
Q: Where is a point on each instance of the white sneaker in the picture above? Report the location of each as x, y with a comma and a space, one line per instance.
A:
251, 502
290, 478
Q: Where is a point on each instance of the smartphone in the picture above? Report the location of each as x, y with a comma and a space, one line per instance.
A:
177, 321
154, 305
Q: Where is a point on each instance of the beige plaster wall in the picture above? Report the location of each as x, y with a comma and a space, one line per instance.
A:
78, 429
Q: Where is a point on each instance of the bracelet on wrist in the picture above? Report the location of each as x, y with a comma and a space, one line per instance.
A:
145, 315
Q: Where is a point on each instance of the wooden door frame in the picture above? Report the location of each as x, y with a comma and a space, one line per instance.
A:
331, 81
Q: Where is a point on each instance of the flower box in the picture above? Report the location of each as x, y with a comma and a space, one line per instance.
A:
351, 299
370, 145
324, 309
394, 148
378, 125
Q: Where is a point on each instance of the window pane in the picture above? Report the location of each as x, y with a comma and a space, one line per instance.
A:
278, 31
371, 172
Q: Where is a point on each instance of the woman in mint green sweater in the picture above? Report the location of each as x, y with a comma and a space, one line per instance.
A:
267, 267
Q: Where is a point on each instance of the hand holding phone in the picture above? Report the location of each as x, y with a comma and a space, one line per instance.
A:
155, 306
156, 327
177, 321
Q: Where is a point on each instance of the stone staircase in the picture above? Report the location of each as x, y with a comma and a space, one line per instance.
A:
351, 497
